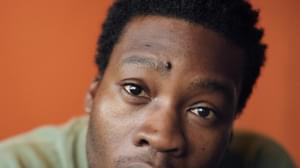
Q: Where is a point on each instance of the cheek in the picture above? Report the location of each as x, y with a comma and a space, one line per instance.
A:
104, 122
208, 146
109, 127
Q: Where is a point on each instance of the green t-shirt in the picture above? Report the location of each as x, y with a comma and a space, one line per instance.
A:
64, 147
47, 147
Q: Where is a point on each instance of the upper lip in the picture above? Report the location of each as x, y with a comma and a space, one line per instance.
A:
140, 165
145, 160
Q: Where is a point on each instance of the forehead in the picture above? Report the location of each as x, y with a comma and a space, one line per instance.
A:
180, 41
163, 32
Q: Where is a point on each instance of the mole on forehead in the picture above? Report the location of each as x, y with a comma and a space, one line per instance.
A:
158, 65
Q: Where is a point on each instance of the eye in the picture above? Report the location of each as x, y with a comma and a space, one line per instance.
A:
206, 113
134, 90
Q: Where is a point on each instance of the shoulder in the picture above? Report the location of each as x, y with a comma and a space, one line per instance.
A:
49, 146
253, 150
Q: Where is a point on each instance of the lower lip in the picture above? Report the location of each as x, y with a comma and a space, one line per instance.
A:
139, 165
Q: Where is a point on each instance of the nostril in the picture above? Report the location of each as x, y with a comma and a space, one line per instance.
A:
143, 142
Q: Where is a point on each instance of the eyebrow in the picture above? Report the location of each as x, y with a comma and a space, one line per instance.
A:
148, 62
212, 85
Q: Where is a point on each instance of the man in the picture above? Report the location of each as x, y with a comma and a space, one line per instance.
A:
173, 76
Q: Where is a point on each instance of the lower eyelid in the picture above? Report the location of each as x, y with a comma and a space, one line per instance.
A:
142, 90
132, 99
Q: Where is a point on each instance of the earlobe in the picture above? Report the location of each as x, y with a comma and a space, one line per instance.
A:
90, 95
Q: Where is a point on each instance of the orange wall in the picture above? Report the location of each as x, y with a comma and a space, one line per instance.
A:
46, 64
273, 109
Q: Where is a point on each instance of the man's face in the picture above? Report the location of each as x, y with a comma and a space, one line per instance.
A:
167, 98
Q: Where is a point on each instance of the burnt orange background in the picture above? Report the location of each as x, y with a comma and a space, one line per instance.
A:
46, 64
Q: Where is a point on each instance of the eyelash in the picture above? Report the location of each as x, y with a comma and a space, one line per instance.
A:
127, 86
210, 113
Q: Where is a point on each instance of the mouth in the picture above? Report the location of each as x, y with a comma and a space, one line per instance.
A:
142, 161
139, 165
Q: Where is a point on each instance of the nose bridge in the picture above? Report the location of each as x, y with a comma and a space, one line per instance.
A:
166, 122
162, 129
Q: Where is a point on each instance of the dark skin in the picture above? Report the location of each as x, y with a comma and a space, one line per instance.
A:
167, 99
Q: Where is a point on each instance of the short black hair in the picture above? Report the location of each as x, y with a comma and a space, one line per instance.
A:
236, 20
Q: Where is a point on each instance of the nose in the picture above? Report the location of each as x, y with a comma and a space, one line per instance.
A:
161, 131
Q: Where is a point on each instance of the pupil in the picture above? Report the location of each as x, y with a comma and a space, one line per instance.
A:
203, 112
135, 90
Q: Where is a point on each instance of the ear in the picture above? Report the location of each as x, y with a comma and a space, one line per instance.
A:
90, 95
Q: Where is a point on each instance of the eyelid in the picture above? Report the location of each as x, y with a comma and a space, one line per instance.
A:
132, 84
137, 82
204, 105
